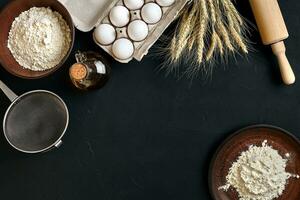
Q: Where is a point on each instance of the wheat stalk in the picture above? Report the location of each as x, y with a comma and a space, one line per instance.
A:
231, 17
212, 11
184, 32
212, 47
203, 15
211, 26
173, 48
222, 31
191, 42
239, 41
192, 38
220, 44
234, 11
232, 22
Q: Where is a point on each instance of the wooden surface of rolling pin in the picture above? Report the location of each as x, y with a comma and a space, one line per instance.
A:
273, 31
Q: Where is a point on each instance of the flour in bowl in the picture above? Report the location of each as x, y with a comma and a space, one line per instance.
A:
39, 39
258, 174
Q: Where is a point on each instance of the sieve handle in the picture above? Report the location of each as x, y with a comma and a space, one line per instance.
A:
8, 92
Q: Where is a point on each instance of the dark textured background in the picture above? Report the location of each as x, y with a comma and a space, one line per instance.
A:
148, 136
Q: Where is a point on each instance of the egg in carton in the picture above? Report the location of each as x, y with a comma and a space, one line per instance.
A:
125, 29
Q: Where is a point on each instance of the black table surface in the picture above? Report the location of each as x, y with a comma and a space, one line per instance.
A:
146, 135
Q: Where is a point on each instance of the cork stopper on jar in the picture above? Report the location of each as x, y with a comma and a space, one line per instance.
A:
78, 71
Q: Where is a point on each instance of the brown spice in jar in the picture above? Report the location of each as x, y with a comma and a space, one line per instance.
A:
78, 71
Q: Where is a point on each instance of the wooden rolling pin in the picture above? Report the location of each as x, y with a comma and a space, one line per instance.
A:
273, 31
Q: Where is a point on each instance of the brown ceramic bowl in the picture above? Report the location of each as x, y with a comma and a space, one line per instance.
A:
7, 16
240, 141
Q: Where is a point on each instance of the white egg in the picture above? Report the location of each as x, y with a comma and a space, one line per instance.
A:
105, 34
123, 48
137, 30
119, 16
165, 3
134, 4
151, 13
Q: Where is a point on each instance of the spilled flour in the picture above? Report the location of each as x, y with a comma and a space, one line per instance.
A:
258, 174
39, 39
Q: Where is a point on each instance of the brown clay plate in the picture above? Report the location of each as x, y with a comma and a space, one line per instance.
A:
240, 141
8, 14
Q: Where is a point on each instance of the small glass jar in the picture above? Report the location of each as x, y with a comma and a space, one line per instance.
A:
91, 71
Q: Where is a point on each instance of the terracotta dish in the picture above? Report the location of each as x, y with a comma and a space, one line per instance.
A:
7, 16
240, 141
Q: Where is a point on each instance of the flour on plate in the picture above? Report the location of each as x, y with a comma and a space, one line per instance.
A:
39, 39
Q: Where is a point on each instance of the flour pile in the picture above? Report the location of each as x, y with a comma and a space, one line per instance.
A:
258, 174
39, 39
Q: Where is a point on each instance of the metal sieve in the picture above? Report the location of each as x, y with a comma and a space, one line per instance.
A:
35, 121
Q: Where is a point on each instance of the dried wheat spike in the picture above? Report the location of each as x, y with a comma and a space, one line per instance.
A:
220, 44
203, 15
234, 11
222, 30
211, 27
184, 32
212, 47
173, 48
212, 10
233, 23
237, 38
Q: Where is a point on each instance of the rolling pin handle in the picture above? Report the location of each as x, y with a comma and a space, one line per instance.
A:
286, 70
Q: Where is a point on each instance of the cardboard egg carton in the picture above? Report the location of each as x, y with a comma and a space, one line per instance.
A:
89, 14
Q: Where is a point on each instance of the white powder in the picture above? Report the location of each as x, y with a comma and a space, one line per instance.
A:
39, 39
258, 174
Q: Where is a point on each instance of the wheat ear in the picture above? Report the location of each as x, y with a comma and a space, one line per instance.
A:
221, 29
191, 38
220, 45
184, 31
237, 38
203, 15
232, 23
173, 48
234, 11
212, 47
